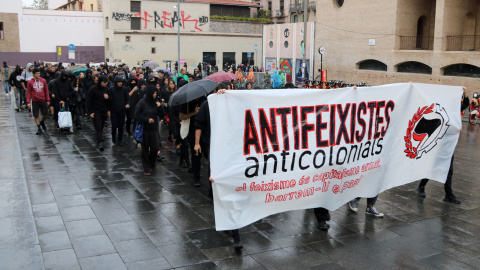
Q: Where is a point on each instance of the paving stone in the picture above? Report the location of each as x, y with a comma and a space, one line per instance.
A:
108, 261
85, 227
92, 246
61, 259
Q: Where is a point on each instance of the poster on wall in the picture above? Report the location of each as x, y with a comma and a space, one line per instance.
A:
298, 71
300, 149
271, 64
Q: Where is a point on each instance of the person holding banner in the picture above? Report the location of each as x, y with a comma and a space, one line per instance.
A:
449, 197
202, 141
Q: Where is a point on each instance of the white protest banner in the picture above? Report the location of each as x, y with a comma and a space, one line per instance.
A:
280, 150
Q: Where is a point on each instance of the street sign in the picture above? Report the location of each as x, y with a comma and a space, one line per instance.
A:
71, 47
71, 54
321, 50
59, 51
249, 54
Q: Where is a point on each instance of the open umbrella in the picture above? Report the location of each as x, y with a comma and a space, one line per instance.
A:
191, 91
151, 65
165, 71
73, 68
78, 71
222, 76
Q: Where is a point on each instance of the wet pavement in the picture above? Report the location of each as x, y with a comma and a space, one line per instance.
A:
65, 205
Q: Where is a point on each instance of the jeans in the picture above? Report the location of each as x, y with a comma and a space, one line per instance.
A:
6, 85
23, 97
118, 121
370, 201
17, 97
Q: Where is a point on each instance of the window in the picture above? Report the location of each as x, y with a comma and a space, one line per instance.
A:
1, 30
372, 65
135, 23
270, 44
414, 67
154, 50
270, 7
91, 7
127, 38
285, 44
463, 70
294, 19
135, 6
228, 58
153, 38
339, 2
209, 57
107, 44
106, 22
248, 60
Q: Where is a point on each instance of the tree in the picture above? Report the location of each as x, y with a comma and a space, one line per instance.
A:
40, 4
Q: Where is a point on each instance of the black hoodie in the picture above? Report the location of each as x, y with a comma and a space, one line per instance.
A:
88, 80
119, 96
16, 78
96, 102
147, 108
63, 87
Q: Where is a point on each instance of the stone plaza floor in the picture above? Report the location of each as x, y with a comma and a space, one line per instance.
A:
65, 205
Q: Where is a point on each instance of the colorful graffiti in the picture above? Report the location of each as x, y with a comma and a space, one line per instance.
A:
164, 19
286, 63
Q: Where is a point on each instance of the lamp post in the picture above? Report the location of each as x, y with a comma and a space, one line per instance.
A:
178, 34
305, 18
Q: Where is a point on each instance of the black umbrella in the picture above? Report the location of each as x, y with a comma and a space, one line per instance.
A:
191, 91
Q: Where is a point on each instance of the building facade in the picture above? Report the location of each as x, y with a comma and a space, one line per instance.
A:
289, 11
81, 5
380, 42
137, 31
33, 34
282, 46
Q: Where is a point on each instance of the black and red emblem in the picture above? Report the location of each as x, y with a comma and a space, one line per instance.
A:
428, 125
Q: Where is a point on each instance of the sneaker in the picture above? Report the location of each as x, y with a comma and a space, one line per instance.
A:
238, 244
452, 199
147, 173
42, 124
323, 226
373, 211
39, 132
421, 192
353, 205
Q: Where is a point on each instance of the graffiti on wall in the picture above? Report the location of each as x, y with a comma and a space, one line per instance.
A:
164, 19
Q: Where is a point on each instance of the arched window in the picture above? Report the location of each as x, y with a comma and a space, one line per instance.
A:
371, 64
463, 70
414, 67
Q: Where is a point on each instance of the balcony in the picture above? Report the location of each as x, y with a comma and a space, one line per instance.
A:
312, 5
278, 14
463, 43
296, 7
416, 42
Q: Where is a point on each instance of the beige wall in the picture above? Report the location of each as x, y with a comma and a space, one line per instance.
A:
196, 38
11, 38
345, 34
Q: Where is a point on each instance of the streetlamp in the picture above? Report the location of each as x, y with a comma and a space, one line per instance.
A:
178, 33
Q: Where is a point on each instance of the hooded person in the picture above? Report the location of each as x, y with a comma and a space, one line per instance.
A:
27, 75
118, 104
4, 76
98, 107
135, 96
276, 82
62, 91
48, 76
51, 89
15, 81
148, 113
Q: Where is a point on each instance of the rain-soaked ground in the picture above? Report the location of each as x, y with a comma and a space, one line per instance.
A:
65, 205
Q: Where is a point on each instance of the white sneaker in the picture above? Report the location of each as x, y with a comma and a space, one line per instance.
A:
353, 204
373, 211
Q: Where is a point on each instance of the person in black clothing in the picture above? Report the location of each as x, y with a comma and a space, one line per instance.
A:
77, 101
132, 84
169, 90
148, 112
202, 145
98, 105
62, 92
51, 89
15, 80
449, 196
118, 104
136, 94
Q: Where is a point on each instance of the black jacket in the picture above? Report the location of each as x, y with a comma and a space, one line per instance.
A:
147, 108
119, 98
88, 80
135, 99
96, 102
16, 78
63, 88
202, 121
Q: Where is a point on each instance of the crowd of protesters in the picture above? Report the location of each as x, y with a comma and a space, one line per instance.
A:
131, 96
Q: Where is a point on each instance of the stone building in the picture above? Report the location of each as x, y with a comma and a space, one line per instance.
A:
380, 42
289, 11
137, 31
